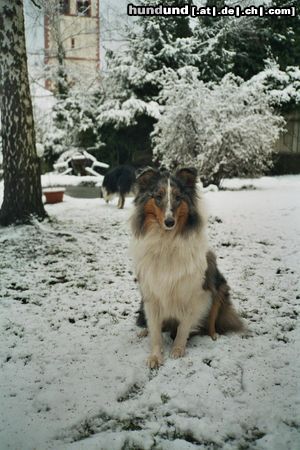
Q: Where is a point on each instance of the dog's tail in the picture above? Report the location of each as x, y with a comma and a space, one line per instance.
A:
227, 319
223, 317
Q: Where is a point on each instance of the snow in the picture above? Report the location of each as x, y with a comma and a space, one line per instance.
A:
53, 189
279, 182
73, 372
53, 179
43, 99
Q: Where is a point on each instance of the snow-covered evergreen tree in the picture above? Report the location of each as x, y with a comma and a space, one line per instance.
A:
160, 42
211, 47
283, 34
281, 86
134, 79
224, 130
242, 45
261, 38
73, 124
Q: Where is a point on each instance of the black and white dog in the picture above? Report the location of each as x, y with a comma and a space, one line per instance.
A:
118, 181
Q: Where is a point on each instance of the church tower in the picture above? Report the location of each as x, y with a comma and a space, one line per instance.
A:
72, 35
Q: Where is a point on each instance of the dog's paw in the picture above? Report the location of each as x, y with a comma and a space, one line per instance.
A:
177, 352
214, 336
143, 333
154, 361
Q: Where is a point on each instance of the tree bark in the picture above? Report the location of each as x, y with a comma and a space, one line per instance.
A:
22, 180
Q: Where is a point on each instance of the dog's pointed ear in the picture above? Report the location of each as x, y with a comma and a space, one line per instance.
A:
188, 176
145, 177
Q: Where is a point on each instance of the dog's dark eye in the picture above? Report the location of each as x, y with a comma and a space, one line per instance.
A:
177, 198
158, 198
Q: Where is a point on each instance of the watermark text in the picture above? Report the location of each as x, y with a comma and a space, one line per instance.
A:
213, 11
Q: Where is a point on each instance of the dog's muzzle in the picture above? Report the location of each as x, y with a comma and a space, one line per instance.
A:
169, 223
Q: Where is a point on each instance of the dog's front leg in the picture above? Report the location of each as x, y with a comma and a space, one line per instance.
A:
183, 331
213, 317
155, 329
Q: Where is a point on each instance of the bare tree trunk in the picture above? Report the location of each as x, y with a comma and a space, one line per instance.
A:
22, 181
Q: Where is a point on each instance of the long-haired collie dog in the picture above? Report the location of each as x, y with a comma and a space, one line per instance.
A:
182, 288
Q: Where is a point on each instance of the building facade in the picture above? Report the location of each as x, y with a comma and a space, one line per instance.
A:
72, 39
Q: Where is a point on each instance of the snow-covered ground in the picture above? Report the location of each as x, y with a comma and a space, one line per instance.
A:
73, 373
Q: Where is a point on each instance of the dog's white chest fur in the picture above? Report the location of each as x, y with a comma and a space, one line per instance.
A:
171, 271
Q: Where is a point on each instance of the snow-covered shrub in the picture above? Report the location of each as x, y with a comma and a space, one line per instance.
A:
224, 130
282, 87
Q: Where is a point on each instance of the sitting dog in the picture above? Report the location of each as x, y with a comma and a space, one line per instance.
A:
217, 321
181, 286
118, 181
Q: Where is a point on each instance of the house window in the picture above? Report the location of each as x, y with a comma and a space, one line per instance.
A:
64, 6
84, 8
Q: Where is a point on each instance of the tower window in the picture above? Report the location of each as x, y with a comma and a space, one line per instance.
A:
64, 6
84, 8
72, 42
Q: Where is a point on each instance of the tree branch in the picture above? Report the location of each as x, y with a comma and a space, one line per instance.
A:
36, 4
